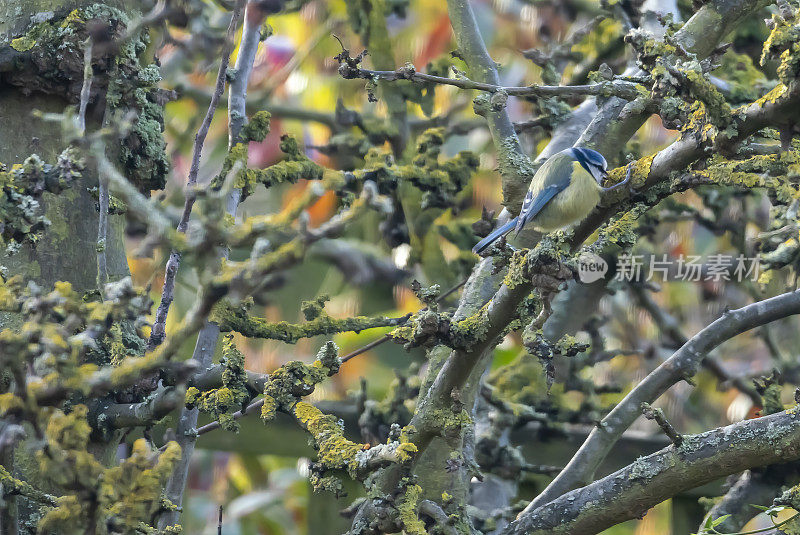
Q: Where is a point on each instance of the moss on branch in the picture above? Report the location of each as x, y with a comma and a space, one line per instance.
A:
783, 44
233, 395
439, 180
776, 172
294, 167
12, 486
284, 391
237, 318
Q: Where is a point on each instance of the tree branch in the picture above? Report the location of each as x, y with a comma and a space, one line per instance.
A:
658, 415
683, 363
230, 318
631, 491
516, 168
620, 88
158, 405
670, 327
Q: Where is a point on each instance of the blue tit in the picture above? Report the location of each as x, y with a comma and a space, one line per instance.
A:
563, 191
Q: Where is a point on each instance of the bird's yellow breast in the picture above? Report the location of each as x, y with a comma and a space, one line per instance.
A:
570, 205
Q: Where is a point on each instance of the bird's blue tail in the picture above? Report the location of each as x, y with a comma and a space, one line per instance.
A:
495, 235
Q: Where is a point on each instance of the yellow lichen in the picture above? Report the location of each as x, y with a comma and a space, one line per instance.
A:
407, 511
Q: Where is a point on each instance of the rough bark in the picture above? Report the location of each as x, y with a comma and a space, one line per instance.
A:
66, 251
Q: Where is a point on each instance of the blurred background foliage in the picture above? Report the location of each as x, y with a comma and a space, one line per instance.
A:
259, 475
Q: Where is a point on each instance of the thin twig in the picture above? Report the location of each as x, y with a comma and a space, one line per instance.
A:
364, 349
658, 415
623, 89
207, 338
102, 189
387, 337
173, 264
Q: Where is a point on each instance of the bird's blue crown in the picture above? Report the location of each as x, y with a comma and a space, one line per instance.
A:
591, 160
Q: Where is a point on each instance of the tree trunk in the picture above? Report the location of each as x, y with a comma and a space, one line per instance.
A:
67, 249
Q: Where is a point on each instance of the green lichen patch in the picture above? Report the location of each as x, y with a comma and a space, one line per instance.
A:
783, 44
778, 173
446, 422
294, 380
687, 98
622, 229
407, 509
296, 166
284, 391
334, 451
231, 396
471, 330
50, 333
518, 272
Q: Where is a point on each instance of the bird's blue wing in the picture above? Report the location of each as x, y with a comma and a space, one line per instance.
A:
533, 205
554, 175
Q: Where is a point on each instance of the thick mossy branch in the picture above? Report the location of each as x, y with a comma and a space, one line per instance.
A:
283, 392
233, 395
21, 219
335, 451
237, 318
680, 83
778, 173
293, 380
296, 166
